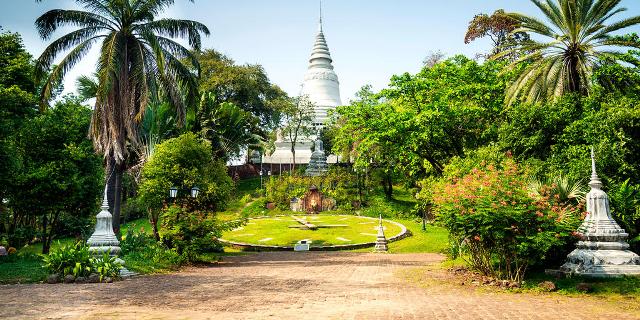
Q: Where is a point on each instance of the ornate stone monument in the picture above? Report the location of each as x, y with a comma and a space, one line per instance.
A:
381, 240
104, 239
318, 164
602, 251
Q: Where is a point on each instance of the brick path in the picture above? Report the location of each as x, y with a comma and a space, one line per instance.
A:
297, 286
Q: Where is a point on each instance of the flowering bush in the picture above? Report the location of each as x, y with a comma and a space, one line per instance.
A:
491, 215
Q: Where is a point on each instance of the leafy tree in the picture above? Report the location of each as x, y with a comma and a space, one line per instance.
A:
228, 128
298, 122
61, 175
624, 79
138, 59
369, 131
183, 162
446, 109
578, 33
17, 105
246, 86
532, 131
499, 27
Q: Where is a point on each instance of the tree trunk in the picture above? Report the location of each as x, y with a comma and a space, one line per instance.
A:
111, 182
45, 243
574, 84
47, 236
293, 151
154, 224
387, 185
117, 198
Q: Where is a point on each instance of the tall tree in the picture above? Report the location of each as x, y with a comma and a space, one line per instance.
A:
578, 33
246, 86
17, 104
139, 58
298, 122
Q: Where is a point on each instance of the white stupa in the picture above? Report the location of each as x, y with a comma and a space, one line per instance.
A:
322, 88
321, 83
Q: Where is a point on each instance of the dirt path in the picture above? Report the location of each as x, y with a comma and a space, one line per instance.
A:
295, 286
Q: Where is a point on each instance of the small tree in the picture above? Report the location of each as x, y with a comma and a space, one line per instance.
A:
499, 27
183, 162
298, 122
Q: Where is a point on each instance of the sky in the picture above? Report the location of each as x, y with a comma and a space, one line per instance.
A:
370, 40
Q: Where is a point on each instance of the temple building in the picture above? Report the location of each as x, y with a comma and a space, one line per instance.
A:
322, 88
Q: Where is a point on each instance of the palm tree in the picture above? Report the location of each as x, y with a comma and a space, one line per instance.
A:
227, 127
139, 59
579, 33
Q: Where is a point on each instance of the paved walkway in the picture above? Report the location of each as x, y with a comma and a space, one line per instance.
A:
297, 286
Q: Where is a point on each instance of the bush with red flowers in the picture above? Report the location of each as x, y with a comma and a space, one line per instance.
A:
498, 224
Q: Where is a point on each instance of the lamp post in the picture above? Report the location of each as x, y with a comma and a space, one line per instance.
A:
260, 178
193, 192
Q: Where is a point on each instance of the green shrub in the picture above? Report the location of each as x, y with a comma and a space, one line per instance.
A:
183, 162
625, 204
69, 260
135, 241
106, 266
144, 255
192, 233
491, 215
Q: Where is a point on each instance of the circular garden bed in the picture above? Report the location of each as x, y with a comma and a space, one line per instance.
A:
325, 232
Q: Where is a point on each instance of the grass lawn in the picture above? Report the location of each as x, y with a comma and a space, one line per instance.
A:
433, 240
277, 231
23, 268
26, 265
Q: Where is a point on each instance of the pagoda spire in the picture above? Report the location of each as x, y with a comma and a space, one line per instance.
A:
320, 22
321, 83
595, 180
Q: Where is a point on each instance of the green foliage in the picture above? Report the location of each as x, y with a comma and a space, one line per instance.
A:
625, 203
576, 35
297, 118
60, 179
227, 127
17, 104
192, 232
417, 125
73, 260
78, 261
532, 130
246, 86
491, 215
143, 254
183, 162
611, 76
339, 184
106, 266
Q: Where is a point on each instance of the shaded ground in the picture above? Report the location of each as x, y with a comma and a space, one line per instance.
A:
287, 285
